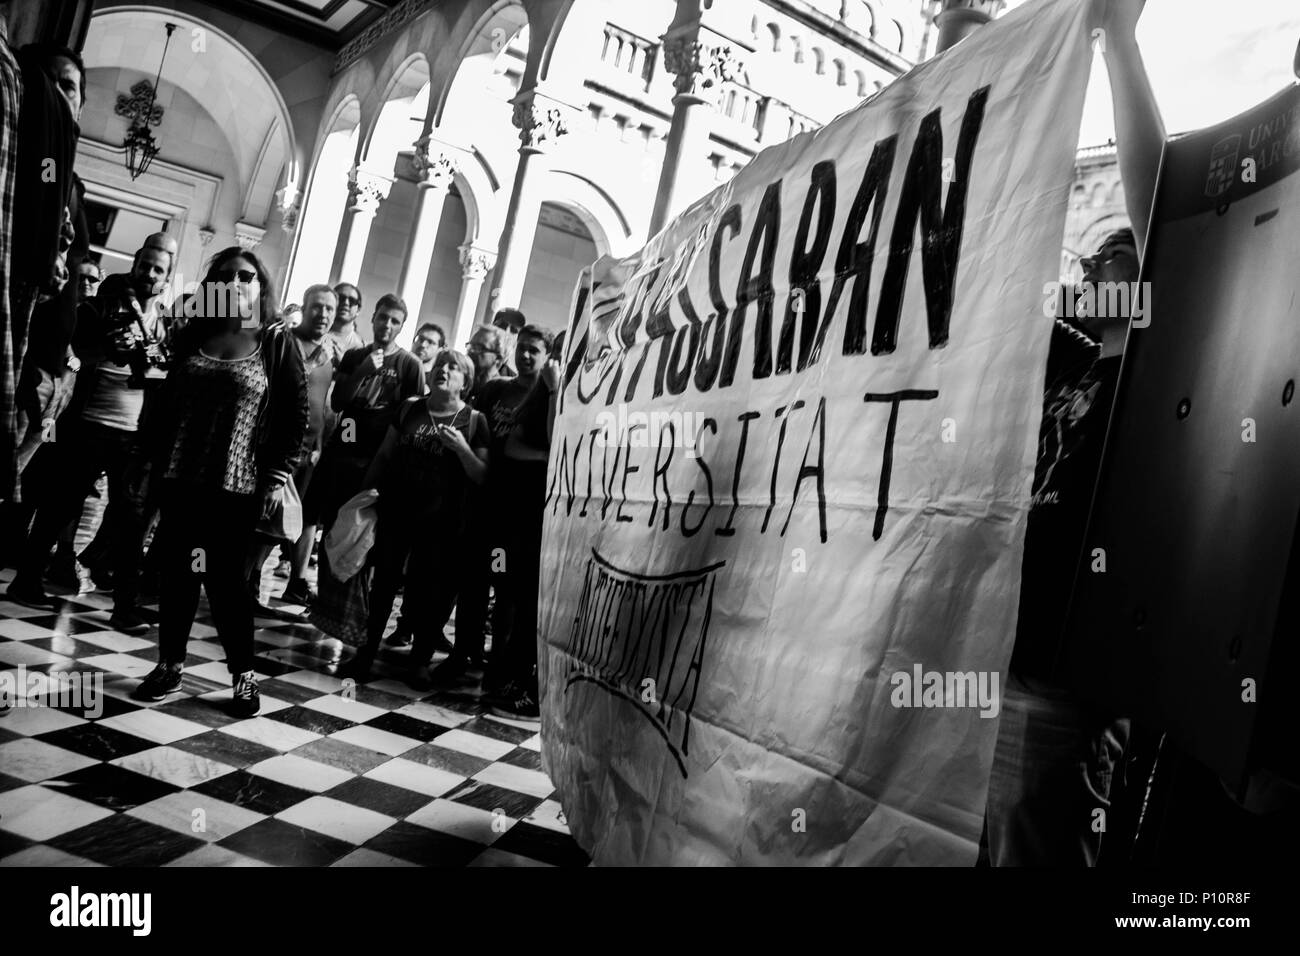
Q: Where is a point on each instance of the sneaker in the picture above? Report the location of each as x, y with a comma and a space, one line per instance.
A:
441, 645
298, 592
62, 571
162, 680
128, 622
519, 704
246, 701
29, 595
402, 636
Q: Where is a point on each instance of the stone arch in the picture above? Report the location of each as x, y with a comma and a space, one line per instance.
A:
408, 82
325, 198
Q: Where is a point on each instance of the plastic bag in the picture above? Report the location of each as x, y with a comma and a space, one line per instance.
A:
284, 523
352, 535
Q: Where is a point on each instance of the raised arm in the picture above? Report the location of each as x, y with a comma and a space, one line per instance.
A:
1139, 131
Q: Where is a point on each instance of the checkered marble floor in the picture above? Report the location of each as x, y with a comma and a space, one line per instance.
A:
325, 775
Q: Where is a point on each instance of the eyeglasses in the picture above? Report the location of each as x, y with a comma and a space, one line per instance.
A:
349, 300
475, 349
246, 276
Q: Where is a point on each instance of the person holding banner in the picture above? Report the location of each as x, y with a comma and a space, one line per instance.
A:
1055, 755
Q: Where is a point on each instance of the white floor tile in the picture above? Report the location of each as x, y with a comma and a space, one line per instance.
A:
127, 665
30, 721
322, 682
364, 857
518, 779
35, 760
372, 738
118, 643
151, 725
172, 765
301, 772
213, 855
416, 776
271, 733
39, 813
489, 748
352, 710
433, 714
343, 821
197, 815
467, 822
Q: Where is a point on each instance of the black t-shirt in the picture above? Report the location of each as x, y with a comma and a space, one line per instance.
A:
499, 400
1076, 411
374, 405
425, 479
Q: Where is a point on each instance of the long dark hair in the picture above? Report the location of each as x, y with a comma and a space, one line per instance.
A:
266, 297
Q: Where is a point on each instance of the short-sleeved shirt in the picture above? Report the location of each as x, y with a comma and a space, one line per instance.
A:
374, 405
499, 400
1077, 402
346, 341
424, 479
319, 360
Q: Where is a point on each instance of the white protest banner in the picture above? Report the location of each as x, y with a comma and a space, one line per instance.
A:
790, 474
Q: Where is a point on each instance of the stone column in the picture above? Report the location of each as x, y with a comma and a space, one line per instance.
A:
541, 121
700, 70
366, 191
475, 264
434, 171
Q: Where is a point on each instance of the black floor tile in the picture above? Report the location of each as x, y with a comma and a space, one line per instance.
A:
283, 844
98, 741
487, 796
314, 720
288, 691
539, 843
209, 713
227, 749
11, 843
114, 788
122, 840
520, 757
443, 758
406, 726
111, 707
380, 797
257, 793
11, 783
67, 646
486, 727
416, 844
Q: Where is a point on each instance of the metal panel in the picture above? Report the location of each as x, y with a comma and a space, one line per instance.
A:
1197, 521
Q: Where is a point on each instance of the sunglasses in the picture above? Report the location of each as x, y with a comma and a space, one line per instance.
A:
246, 276
349, 300
473, 349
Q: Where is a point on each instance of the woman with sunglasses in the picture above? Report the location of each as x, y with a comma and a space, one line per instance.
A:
233, 413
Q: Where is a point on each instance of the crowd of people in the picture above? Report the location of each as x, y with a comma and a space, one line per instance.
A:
207, 420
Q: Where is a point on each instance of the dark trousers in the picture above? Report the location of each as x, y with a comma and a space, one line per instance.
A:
483, 570
425, 558
205, 537
81, 453
524, 510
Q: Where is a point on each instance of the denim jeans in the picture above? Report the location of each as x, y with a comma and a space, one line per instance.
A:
1049, 792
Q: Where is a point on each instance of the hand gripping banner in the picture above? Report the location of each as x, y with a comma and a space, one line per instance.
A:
790, 474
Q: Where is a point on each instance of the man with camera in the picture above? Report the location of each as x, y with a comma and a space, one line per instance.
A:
120, 340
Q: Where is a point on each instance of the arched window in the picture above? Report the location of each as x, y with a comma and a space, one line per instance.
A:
797, 43
819, 60
862, 82
841, 73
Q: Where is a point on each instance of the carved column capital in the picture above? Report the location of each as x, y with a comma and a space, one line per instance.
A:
476, 263
366, 191
432, 165
540, 121
700, 68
